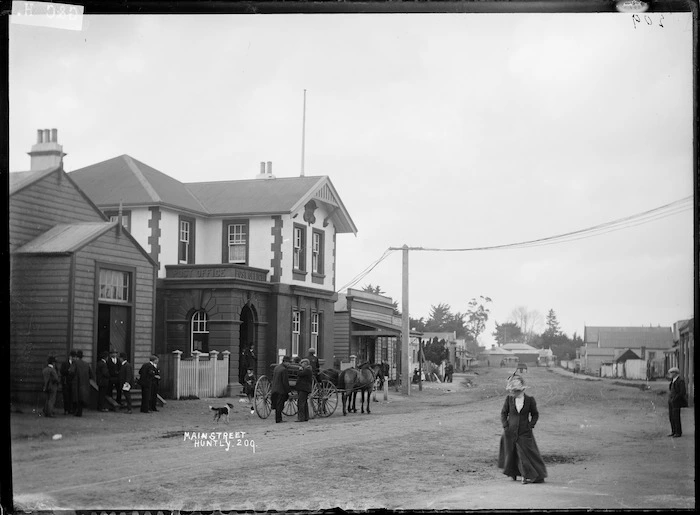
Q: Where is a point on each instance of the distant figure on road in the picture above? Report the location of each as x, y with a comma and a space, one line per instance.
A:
449, 370
676, 400
518, 454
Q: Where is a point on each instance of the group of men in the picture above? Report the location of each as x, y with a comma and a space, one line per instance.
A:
113, 372
306, 369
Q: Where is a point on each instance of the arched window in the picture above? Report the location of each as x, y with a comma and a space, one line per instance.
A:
200, 332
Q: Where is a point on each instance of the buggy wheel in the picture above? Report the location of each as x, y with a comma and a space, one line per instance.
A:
290, 405
324, 398
262, 400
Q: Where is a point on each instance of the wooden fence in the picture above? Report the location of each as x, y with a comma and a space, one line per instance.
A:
197, 376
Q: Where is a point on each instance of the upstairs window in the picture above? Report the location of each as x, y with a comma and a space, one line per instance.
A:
299, 247
317, 252
237, 242
126, 218
186, 241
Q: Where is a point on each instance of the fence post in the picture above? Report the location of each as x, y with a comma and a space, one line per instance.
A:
213, 355
226, 354
176, 372
196, 372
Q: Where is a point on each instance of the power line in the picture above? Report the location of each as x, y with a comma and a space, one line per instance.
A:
619, 224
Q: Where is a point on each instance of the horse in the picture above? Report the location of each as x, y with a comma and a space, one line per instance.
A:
352, 380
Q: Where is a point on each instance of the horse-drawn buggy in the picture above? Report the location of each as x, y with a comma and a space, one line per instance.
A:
324, 390
323, 397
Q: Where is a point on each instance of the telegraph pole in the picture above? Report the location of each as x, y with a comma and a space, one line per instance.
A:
405, 372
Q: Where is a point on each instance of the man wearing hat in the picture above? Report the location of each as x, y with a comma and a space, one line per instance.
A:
113, 365
50, 385
82, 373
676, 400
313, 361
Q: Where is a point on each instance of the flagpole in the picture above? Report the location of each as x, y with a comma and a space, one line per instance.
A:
303, 135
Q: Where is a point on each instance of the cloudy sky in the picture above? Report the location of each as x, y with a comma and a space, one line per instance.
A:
438, 131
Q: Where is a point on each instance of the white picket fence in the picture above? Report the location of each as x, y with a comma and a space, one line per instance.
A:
199, 376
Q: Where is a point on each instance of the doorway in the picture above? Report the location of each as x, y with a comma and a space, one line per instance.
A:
247, 337
113, 329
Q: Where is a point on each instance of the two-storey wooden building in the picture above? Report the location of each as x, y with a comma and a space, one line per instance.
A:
240, 262
77, 280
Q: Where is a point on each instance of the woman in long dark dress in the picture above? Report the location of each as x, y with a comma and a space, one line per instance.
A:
518, 454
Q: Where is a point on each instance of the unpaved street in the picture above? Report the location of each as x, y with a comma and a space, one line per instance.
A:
604, 443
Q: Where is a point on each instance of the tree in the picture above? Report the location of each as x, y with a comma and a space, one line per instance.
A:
377, 290
528, 320
477, 316
507, 332
443, 320
552, 324
436, 351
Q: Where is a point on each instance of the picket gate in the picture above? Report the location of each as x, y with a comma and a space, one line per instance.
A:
197, 376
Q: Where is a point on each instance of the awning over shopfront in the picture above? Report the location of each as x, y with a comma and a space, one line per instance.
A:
364, 327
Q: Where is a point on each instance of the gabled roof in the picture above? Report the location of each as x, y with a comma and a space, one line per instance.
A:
520, 347
70, 238
65, 238
498, 351
628, 354
20, 180
629, 337
128, 180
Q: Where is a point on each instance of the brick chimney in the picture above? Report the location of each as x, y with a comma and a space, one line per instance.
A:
46, 153
265, 171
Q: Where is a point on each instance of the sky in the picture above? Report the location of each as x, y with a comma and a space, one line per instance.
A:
442, 131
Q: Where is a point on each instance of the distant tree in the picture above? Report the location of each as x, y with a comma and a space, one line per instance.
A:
377, 290
442, 320
436, 351
529, 321
417, 324
552, 324
373, 289
477, 316
507, 332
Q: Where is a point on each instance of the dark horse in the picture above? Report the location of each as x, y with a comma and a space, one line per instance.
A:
361, 379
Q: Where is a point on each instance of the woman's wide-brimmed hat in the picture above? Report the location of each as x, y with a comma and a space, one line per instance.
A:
515, 382
674, 369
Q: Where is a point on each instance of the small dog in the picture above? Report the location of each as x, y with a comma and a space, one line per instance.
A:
222, 412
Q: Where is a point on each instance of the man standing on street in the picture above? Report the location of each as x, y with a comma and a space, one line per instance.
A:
303, 388
50, 386
676, 400
67, 384
313, 361
280, 388
126, 379
114, 364
82, 373
102, 382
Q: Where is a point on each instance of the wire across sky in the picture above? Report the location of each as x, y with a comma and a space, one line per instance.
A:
644, 217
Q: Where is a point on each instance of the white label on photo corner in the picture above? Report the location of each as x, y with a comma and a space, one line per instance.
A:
225, 440
46, 14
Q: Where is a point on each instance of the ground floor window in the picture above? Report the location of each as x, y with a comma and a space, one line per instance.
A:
199, 332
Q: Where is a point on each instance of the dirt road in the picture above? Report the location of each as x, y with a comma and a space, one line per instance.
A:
604, 443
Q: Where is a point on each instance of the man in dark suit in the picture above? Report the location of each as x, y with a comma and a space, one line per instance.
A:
676, 400
67, 384
82, 373
50, 385
280, 388
314, 362
113, 365
102, 371
154, 384
149, 377
126, 379
303, 388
